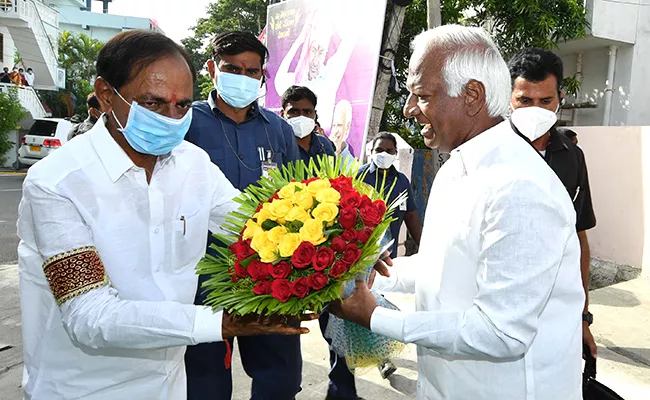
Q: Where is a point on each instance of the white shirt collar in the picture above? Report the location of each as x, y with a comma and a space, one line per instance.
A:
113, 157
474, 150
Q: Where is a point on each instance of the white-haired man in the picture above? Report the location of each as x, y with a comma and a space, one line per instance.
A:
497, 279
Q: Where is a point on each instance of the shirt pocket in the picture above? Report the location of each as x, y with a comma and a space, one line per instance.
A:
189, 239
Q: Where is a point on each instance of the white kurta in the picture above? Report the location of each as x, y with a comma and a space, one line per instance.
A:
126, 340
497, 279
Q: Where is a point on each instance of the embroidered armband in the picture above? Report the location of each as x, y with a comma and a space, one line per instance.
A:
74, 273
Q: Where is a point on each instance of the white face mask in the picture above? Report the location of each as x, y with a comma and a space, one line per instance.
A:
383, 160
302, 126
533, 122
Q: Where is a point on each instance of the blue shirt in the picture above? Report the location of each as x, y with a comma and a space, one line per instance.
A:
234, 147
375, 178
319, 145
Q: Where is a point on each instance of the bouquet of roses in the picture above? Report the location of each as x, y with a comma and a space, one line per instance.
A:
296, 238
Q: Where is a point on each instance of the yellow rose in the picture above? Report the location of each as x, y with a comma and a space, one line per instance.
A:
260, 241
297, 214
251, 229
290, 189
316, 186
325, 212
328, 195
312, 231
262, 215
275, 234
280, 208
269, 254
303, 199
288, 244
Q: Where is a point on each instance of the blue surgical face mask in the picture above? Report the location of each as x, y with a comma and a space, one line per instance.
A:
151, 133
238, 91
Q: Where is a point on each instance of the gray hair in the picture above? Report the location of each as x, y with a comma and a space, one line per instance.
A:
472, 55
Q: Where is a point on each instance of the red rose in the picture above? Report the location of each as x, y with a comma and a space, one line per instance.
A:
274, 197
338, 269
339, 244
240, 271
280, 270
317, 281
351, 254
258, 270
262, 287
380, 205
307, 181
350, 235
341, 183
303, 255
281, 289
348, 218
242, 249
363, 235
350, 199
300, 287
323, 258
370, 216
365, 201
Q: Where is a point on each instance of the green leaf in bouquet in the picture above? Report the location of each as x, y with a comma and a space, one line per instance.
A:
269, 224
293, 226
332, 232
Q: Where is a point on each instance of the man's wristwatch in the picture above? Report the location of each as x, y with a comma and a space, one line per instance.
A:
588, 318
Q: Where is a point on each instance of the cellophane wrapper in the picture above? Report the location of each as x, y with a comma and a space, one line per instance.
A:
361, 347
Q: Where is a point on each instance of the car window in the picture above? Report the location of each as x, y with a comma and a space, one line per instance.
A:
43, 128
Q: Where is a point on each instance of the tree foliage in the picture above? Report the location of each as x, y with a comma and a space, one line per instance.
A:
78, 55
11, 113
515, 24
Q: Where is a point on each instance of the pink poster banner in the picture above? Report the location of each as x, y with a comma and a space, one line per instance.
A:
331, 47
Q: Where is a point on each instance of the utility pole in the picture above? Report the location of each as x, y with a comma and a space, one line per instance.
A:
387, 56
433, 14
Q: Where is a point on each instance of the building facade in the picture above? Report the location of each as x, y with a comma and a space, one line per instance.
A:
613, 61
76, 17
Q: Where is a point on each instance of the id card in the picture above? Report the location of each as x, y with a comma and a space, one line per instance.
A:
267, 166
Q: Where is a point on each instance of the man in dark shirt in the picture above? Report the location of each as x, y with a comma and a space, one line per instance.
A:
299, 109
4, 76
536, 76
244, 140
94, 112
380, 171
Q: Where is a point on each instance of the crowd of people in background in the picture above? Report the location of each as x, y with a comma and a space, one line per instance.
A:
17, 76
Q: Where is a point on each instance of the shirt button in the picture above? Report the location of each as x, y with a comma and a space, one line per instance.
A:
156, 230
157, 268
241, 156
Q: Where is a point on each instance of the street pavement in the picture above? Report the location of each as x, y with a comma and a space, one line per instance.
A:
10, 193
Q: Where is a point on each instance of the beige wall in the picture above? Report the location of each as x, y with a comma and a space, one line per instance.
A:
618, 160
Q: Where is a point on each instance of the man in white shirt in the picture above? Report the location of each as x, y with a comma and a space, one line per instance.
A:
497, 278
112, 226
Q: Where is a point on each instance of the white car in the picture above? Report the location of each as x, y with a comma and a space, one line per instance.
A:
45, 136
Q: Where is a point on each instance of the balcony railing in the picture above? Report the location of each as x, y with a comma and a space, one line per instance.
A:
28, 98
